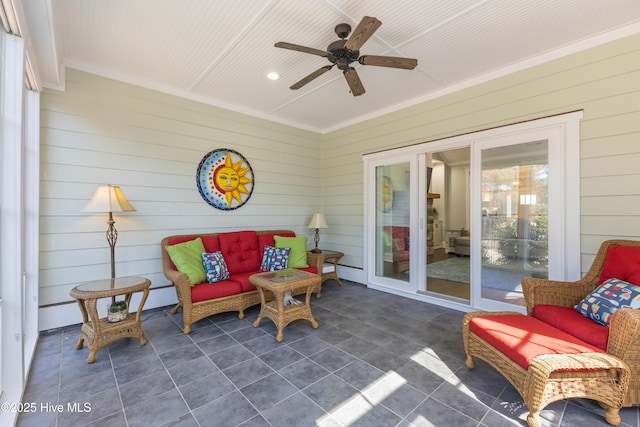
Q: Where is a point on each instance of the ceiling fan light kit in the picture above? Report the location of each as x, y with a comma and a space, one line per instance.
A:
343, 52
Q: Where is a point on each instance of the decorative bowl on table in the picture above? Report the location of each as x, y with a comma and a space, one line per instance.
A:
117, 311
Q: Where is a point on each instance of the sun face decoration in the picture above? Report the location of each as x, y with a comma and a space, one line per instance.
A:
225, 179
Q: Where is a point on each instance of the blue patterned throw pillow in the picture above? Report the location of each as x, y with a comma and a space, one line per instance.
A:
611, 295
274, 258
215, 267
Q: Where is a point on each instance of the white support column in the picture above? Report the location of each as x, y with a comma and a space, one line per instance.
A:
31, 218
11, 222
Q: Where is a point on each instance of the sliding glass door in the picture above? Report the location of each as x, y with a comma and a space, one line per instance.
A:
525, 209
514, 218
391, 210
503, 204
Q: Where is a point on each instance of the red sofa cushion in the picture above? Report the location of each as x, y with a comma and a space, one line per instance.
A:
523, 338
240, 251
570, 321
267, 239
211, 243
622, 262
242, 279
206, 291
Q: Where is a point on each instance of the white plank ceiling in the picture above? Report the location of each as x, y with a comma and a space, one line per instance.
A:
220, 51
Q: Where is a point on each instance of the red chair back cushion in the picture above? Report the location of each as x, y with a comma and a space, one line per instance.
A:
622, 262
570, 321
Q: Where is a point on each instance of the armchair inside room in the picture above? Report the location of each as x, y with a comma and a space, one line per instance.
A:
462, 243
616, 259
397, 240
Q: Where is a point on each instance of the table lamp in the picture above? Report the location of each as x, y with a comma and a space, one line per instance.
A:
109, 199
317, 222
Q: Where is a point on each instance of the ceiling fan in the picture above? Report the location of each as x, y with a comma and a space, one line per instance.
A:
343, 52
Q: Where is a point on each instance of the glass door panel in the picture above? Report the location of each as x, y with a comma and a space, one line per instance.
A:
515, 218
448, 269
392, 219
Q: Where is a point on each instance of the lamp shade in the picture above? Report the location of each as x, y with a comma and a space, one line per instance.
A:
108, 198
317, 221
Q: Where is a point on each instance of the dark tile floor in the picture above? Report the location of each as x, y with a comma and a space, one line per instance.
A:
376, 360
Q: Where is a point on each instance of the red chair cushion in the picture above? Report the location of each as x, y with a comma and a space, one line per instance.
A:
570, 321
622, 262
206, 291
240, 251
523, 338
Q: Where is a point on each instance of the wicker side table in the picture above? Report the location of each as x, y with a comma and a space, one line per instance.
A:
99, 332
279, 282
326, 260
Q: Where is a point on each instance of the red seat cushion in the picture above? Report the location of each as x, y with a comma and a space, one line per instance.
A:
570, 321
240, 251
622, 262
523, 338
207, 291
242, 279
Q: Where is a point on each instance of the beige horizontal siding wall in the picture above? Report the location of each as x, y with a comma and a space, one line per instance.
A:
603, 81
100, 131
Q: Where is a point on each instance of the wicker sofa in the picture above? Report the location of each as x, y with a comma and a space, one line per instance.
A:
242, 251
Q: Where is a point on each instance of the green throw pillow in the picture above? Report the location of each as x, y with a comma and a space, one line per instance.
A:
187, 257
298, 254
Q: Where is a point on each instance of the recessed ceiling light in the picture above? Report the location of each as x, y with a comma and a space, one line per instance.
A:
273, 76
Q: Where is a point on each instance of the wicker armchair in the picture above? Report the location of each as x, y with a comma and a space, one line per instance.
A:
624, 330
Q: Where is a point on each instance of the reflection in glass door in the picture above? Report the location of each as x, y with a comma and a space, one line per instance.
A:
448, 271
515, 218
392, 243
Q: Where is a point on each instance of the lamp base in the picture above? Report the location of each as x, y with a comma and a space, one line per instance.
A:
316, 251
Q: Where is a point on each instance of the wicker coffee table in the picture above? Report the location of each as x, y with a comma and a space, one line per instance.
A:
278, 283
99, 332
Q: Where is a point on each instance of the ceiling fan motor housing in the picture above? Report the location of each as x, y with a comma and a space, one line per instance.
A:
339, 55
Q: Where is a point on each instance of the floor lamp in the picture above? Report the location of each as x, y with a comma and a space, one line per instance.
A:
109, 199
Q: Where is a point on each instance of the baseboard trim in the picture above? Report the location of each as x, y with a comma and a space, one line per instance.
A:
351, 273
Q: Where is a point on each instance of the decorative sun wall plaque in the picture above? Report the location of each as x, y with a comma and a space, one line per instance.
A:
225, 179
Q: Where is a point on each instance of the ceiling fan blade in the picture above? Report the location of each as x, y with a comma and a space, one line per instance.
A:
389, 61
291, 46
317, 73
361, 34
354, 81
